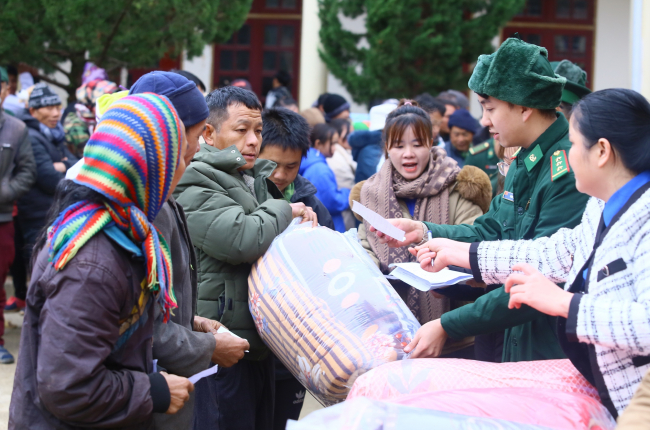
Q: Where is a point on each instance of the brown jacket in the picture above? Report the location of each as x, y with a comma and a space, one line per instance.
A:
70, 373
178, 348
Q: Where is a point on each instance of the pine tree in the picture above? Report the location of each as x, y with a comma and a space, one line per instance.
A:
410, 46
111, 33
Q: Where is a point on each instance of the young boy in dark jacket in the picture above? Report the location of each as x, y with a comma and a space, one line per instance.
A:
285, 141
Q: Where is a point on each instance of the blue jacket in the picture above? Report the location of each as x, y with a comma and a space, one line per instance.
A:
367, 149
315, 169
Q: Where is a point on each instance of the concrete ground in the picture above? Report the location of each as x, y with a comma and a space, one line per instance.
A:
13, 323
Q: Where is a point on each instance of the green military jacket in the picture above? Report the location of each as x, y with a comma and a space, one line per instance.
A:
483, 157
230, 229
540, 197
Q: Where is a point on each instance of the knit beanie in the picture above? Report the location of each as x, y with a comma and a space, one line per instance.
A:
576, 80
519, 73
333, 105
183, 93
43, 96
4, 77
461, 118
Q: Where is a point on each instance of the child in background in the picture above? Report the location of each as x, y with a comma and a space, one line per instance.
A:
314, 168
343, 165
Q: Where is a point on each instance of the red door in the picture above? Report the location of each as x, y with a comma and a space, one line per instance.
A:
268, 42
564, 27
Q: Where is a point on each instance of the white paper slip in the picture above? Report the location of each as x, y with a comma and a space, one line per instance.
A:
378, 222
415, 276
222, 329
207, 372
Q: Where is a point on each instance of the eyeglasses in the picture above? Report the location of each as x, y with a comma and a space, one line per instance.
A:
503, 167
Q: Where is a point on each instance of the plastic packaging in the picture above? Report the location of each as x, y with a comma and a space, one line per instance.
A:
424, 375
366, 414
326, 311
540, 406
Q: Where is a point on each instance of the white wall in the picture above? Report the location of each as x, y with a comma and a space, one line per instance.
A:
313, 73
201, 66
613, 56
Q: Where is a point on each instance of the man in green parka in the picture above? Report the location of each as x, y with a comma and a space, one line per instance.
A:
233, 214
519, 92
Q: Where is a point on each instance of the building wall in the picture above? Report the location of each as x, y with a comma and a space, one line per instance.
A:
313, 73
613, 60
201, 66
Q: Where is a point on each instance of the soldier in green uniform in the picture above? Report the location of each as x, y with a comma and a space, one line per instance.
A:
574, 89
519, 92
484, 157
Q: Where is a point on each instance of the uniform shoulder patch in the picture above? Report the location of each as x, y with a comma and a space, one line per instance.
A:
559, 164
477, 149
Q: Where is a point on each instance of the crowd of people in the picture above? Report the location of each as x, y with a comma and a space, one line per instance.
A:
130, 222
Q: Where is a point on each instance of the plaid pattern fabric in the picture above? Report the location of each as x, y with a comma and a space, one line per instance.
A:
615, 314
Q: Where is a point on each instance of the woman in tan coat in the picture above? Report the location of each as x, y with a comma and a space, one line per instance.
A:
418, 181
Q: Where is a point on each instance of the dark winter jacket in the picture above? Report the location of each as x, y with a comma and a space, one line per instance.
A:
315, 169
305, 192
17, 167
70, 374
178, 348
367, 149
455, 154
37, 201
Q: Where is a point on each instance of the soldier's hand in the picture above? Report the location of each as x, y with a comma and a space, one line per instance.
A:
428, 341
229, 349
179, 389
413, 230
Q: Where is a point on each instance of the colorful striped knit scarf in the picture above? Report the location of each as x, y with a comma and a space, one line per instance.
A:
130, 159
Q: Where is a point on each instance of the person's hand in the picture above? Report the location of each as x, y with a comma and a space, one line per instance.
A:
229, 349
428, 341
533, 289
307, 213
180, 389
60, 167
443, 253
205, 325
413, 230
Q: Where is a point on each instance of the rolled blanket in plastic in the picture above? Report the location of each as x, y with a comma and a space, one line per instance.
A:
326, 311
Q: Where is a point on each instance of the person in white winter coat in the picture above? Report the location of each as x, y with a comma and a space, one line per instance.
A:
604, 308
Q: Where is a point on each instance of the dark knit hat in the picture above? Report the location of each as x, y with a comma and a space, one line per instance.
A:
183, 93
461, 118
43, 96
519, 73
4, 77
576, 80
333, 105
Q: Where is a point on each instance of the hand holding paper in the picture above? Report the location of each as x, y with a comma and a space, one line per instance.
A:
378, 222
229, 349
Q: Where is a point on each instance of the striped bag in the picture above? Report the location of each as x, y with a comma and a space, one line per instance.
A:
326, 311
